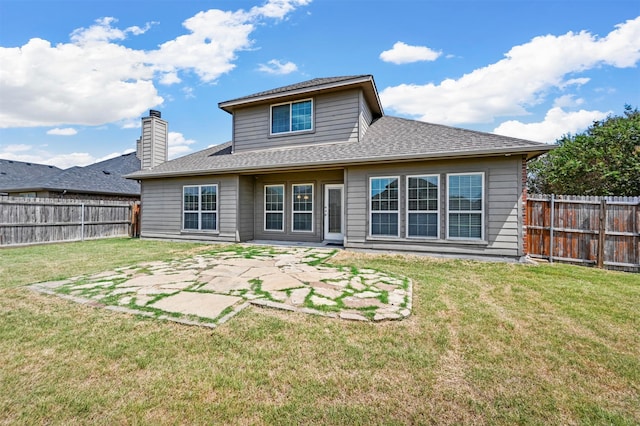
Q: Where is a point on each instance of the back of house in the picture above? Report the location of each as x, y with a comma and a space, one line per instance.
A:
320, 162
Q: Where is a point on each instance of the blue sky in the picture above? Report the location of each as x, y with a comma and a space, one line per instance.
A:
77, 76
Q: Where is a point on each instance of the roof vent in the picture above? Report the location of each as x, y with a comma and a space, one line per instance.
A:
106, 172
155, 113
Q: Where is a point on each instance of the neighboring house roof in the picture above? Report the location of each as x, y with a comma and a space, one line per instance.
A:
105, 177
387, 139
310, 87
14, 174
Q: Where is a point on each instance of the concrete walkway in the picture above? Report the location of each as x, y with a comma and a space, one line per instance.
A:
210, 288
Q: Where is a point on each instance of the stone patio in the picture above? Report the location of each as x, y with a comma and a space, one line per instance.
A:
210, 288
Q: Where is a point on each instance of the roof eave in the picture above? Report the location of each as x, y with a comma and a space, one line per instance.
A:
23, 189
72, 190
400, 158
229, 106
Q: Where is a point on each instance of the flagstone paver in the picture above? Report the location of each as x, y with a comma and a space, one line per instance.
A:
198, 304
209, 289
225, 284
279, 281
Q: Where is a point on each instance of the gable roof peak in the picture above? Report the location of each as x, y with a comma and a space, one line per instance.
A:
309, 87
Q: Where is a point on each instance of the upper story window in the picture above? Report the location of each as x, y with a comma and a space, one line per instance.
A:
292, 117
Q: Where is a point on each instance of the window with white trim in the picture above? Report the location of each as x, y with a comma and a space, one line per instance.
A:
274, 207
302, 209
292, 117
200, 207
384, 206
422, 206
465, 206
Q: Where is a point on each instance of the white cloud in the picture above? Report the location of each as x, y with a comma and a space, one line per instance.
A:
75, 84
556, 123
131, 123
214, 39
169, 78
277, 9
33, 154
522, 79
179, 145
402, 53
574, 82
565, 101
188, 92
67, 131
274, 66
95, 79
11, 149
209, 48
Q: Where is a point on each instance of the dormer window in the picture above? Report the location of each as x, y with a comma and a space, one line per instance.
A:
292, 117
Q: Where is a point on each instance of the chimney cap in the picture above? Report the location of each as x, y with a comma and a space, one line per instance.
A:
155, 113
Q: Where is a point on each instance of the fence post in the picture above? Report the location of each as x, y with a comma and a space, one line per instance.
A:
82, 222
602, 233
553, 196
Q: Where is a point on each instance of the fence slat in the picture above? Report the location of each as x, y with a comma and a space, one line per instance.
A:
25, 221
600, 231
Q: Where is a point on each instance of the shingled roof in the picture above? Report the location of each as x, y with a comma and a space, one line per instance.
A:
316, 82
365, 81
388, 139
105, 177
15, 174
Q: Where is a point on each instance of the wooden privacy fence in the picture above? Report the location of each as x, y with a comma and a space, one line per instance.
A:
26, 221
599, 231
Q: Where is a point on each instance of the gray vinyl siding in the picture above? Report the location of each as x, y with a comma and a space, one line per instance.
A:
336, 118
161, 213
318, 179
502, 211
365, 116
246, 208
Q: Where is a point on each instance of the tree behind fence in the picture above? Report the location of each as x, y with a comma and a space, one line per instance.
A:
598, 231
42, 220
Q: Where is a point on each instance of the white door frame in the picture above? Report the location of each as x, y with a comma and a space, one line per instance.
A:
329, 235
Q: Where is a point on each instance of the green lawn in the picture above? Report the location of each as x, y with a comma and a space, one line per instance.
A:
487, 343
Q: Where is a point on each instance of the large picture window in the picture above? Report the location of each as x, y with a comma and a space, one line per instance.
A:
292, 117
384, 207
302, 210
274, 207
200, 207
465, 204
422, 206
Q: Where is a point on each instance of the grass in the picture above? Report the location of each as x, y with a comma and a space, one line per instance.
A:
488, 343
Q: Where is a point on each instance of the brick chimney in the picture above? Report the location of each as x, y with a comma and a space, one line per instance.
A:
152, 146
